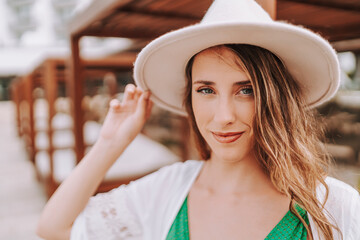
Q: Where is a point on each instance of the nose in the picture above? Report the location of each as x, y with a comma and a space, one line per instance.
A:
225, 113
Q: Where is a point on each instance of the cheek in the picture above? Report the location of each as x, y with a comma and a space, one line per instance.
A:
246, 113
201, 109
203, 115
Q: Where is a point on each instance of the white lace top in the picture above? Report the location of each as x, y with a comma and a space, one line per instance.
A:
146, 208
108, 216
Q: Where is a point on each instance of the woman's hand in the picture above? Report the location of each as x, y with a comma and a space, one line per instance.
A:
126, 119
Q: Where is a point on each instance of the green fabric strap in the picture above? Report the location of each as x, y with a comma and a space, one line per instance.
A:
290, 226
180, 228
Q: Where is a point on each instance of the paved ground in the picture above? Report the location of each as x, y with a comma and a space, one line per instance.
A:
22, 197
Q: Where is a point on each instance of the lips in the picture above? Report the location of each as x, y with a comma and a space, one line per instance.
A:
228, 137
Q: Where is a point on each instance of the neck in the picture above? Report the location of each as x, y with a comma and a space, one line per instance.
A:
243, 176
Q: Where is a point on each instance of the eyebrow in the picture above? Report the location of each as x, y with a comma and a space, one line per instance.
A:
210, 83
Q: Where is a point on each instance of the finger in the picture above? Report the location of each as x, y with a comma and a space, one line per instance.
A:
142, 104
149, 104
149, 108
129, 92
137, 94
115, 105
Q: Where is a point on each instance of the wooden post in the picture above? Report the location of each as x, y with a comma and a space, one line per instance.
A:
29, 86
15, 88
50, 83
75, 91
269, 6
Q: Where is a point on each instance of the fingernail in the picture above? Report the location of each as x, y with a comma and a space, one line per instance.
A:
114, 103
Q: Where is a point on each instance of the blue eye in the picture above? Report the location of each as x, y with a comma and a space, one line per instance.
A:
247, 91
205, 91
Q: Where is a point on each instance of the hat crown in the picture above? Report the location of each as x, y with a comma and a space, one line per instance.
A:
235, 11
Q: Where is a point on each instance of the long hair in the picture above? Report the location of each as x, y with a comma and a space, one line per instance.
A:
287, 133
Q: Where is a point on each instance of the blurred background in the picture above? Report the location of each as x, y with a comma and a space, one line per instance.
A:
61, 61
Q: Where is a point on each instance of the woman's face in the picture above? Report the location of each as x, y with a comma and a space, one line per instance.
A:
223, 104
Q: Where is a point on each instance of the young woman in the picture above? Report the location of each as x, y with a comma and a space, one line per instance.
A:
248, 94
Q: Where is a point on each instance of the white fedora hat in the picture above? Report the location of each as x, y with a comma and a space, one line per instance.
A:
160, 66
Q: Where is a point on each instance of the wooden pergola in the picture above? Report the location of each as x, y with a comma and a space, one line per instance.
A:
336, 20
49, 75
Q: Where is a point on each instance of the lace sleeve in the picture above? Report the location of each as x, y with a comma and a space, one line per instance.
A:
108, 216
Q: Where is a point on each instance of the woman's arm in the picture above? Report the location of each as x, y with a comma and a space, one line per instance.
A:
123, 122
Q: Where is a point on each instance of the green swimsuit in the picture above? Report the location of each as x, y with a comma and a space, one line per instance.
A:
290, 227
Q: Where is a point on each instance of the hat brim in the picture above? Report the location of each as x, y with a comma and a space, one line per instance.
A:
160, 66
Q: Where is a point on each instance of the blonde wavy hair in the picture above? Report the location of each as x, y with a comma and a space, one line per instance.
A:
287, 133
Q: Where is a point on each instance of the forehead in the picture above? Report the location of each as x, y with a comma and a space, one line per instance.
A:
215, 62
218, 50
222, 54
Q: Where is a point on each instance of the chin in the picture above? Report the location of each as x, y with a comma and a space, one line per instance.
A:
231, 154
228, 156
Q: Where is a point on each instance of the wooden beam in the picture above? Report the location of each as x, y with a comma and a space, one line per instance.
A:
328, 4
136, 25
347, 45
338, 33
269, 6
184, 8
123, 60
75, 91
160, 14
122, 34
93, 13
